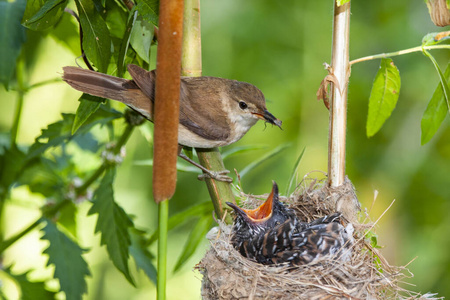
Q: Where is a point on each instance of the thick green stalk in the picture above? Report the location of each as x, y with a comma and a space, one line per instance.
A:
191, 65
163, 219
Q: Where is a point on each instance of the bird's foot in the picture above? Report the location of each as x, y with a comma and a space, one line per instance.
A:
216, 175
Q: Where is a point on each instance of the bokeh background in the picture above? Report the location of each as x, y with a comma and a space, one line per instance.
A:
280, 47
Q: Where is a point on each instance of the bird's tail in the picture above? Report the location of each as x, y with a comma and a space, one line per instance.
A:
106, 86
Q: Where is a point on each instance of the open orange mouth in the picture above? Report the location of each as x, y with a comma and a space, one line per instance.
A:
262, 212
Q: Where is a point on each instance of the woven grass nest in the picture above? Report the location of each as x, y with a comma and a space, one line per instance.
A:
367, 275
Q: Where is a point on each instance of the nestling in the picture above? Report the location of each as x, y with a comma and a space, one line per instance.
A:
272, 234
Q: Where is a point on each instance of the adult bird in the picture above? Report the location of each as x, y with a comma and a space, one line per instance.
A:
214, 111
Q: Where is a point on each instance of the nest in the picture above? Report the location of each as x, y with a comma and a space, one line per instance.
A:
367, 275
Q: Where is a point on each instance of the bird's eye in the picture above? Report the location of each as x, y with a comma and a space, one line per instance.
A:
243, 105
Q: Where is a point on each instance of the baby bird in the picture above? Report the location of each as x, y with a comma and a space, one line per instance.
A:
272, 234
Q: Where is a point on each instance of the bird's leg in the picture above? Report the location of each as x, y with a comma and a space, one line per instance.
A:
216, 175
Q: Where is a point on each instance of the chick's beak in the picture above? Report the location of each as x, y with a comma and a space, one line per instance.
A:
266, 116
261, 213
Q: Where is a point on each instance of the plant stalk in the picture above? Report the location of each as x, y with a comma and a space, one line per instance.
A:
20, 97
191, 65
397, 53
163, 218
338, 109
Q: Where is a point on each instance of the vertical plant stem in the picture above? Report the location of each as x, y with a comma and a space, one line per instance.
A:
20, 96
338, 109
163, 217
191, 65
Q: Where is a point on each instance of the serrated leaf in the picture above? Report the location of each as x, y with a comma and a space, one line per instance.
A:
149, 10
437, 108
42, 177
201, 209
197, 235
11, 163
262, 159
67, 218
41, 15
61, 131
142, 257
113, 224
88, 105
30, 290
12, 36
383, 97
141, 37
66, 256
96, 38
241, 149
294, 171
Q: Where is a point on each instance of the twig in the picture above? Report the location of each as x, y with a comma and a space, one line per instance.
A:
397, 53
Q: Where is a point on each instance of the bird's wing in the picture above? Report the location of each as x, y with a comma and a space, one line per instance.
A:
201, 109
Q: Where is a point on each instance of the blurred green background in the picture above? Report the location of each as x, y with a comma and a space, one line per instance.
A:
280, 47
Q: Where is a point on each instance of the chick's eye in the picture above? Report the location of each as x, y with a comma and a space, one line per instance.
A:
243, 105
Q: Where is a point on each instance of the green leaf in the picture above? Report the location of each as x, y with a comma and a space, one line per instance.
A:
149, 10
88, 105
201, 209
67, 218
438, 106
42, 177
197, 235
434, 38
142, 37
96, 38
116, 19
241, 149
70, 267
11, 163
262, 159
41, 15
294, 171
383, 97
57, 133
113, 224
142, 257
12, 36
125, 43
66, 33
30, 290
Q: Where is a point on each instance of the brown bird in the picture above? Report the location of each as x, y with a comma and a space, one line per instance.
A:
214, 111
272, 234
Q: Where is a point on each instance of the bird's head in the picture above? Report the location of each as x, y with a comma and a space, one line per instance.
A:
251, 222
248, 105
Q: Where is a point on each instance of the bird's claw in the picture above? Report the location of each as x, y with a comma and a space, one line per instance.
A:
216, 175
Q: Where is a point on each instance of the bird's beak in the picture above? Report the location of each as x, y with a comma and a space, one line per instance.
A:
268, 117
261, 213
